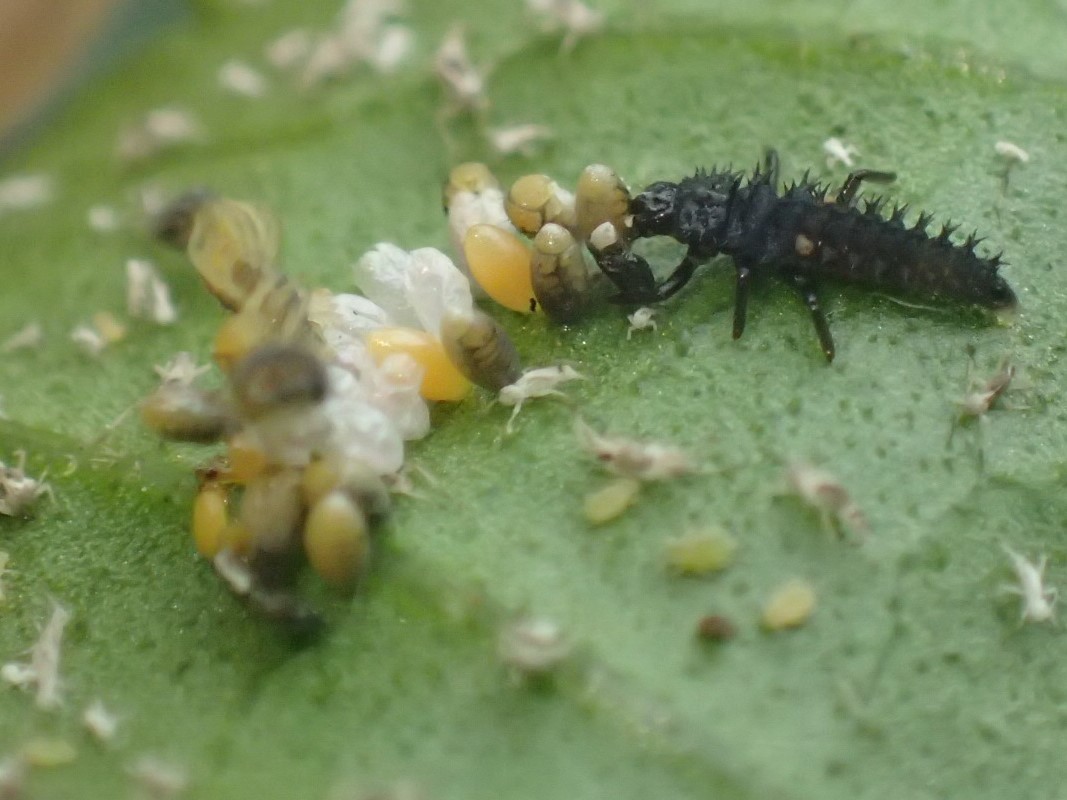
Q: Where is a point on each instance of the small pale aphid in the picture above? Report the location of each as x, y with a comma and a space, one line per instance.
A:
601, 197
240, 78
534, 200
640, 320
789, 606
18, 491
522, 139
823, 492
88, 340
481, 349
147, 295
500, 264
31, 335
102, 218
463, 82
977, 402
336, 538
538, 382
159, 780
533, 646
160, 129
611, 501
25, 192
1011, 152
701, 552
278, 376
180, 369
837, 151
100, 722
574, 17
633, 458
289, 50
1038, 601
559, 274
185, 413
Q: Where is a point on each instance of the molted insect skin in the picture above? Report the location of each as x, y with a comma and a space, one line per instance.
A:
801, 236
442, 380
500, 263
336, 539
185, 413
535, 200
278, 376
558, 271
481, 349
601, 197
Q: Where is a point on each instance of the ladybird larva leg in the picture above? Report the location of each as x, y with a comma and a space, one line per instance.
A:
630, 273
854, 179
677, 279
744, 284
808, 294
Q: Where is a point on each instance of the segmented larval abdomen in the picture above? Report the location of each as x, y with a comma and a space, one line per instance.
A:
865, 248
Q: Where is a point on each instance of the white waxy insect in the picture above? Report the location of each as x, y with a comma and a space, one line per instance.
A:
533, 646
160, 780
574, 17
18, 491
463, 82
25, 192
981, 398
633, 458
147, 295
160, 129
640, 320
289, 50
1011, 152
537, 382
1039, 601
100, 722
43, 668
838, 151
522, 139
241, 79
28, 336
822, 491
102, 219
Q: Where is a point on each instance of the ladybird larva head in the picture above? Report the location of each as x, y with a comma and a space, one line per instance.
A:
559, 275
480, 349
500, 262
336, 539
278, 376
601, 197
1000, 297
174, 224
654, 209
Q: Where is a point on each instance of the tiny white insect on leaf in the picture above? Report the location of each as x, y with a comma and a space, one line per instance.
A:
88, 340
42, 670
18, 491
1038, 601
461, 79
573, 17
147, 296
159, 779
102, 219
28, 336
181, 369
1011, 152
823, 492
289, 50
532, 646
25, 192
241, 79
641, 320
633, 458
523, 139
536, 382
100, 722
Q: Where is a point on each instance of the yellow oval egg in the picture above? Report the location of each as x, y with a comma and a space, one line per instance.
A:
238, 336
500, 263
319, 479
441, 381
246, 460
210, 518
336, 539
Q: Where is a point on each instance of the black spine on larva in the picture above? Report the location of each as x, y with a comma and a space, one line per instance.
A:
865, 248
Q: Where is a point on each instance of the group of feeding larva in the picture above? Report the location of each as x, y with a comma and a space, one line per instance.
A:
325, 388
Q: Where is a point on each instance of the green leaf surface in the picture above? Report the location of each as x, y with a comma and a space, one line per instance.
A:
913, 678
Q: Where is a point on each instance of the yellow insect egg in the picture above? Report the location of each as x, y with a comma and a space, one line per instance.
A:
534, 200
355, 478
500, 263
441, 380
232, 245
246, 461
601, 197
701, 552
559, 275
238, 336
336, 539
789, 606
210, 517
481, 349
609, 502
